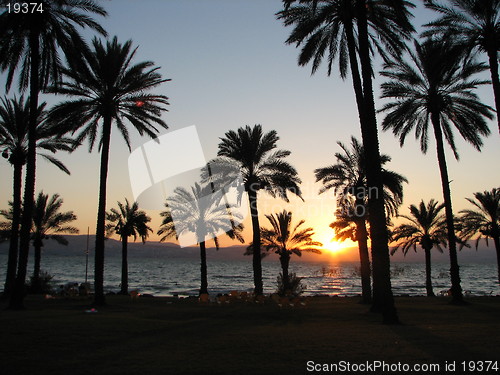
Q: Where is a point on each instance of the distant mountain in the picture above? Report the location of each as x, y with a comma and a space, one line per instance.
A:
78, 244
466, 255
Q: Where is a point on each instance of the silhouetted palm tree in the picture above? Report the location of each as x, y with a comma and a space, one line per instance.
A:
31, 43
476, 25
397, 16
128, 221
351, 223
483, 220
199, 212
14, 124
437, 89
354, 30
329, 30
252, 153
286, 240
347, 178
48, 223
108, 88
427, 228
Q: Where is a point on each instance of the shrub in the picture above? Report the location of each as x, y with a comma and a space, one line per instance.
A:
297, 287
44, 285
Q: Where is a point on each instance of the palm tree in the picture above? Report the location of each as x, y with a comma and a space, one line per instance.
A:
286, 240
198, 212
107, 88
128, 221
476, 25
352, 30
483, 220
351, 223
48, 223
347, 178
252, 153
31, 42
427, 228
436, 89
14, 124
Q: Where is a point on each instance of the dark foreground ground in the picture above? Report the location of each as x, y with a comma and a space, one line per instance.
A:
166, 336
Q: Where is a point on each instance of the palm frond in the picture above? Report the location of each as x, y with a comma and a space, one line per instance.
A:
105, 84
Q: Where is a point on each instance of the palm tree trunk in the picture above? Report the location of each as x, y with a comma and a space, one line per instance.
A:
14, 233
493, 60
285, 262
497, 247
99, 298
36, 285
356, 77
256, 257
428, 279
364, 259
124, 286
17, 296
496, 240
204, 278
383, 299
456, 289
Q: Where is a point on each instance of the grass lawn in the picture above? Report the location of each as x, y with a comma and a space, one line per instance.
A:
166, 336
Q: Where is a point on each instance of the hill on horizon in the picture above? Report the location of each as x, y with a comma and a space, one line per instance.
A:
78, 244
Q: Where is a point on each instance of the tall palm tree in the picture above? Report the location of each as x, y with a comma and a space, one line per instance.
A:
14, 124
396, 15
475, 24
286, 240
483, 220
31, 43
437, 89
427, 228
352, 30
200, 213
107, 88
128, 221
252, 153
48, 223
347, 179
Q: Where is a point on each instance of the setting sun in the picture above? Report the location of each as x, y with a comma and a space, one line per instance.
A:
333, 246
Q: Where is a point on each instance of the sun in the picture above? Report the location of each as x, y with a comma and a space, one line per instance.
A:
325, 235
332, 246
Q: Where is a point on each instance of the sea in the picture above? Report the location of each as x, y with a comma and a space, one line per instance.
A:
163, 276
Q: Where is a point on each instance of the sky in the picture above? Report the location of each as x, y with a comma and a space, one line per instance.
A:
229, 67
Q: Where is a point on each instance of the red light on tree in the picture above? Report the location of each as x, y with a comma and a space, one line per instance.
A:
139, 103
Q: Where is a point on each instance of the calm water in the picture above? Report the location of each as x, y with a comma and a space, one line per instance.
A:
167, 276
